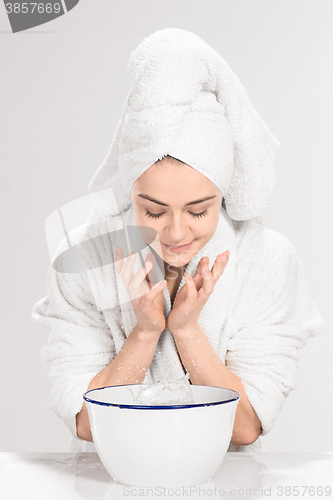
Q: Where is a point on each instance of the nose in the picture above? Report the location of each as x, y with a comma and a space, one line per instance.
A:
177, 230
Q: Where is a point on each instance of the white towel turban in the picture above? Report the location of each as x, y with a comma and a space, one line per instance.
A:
186, 102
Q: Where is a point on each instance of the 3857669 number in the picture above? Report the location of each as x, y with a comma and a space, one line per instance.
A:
32, 8
302, 491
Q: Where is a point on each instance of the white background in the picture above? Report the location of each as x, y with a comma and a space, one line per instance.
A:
63, 85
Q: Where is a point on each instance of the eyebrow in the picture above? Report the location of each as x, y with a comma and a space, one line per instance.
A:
146, 197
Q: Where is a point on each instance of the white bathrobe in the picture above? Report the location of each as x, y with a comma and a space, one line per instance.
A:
257, 319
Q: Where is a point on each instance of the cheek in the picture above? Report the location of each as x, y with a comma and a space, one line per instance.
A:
209, 228
210, 223
140, 217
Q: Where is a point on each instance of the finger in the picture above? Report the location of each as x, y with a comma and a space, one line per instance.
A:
151, 277
197, 276
208, 282
155, 290
204, 261
151, 257
220, 265
158, 287
119, 261
138, 282
191, 288
127, 270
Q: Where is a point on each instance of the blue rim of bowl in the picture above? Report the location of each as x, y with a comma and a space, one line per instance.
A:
169, 407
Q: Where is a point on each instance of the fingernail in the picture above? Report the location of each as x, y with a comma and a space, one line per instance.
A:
160, 283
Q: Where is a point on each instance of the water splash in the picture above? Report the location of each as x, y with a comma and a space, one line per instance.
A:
168, 392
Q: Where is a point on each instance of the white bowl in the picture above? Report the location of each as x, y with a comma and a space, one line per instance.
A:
178, 445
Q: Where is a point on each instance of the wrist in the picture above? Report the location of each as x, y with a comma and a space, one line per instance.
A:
186, 332
146, 335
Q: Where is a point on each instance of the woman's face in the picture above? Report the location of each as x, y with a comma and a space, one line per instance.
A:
172, 198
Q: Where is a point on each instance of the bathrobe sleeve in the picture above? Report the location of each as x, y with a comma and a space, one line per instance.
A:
80, 343
275, 317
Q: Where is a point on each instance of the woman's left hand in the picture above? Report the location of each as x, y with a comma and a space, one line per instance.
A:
192, 297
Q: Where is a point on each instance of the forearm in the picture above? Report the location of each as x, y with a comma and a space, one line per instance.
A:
128, 367
205, 368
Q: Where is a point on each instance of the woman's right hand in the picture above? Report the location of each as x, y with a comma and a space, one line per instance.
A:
147, 301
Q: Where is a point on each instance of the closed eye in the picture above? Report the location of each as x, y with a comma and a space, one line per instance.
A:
157, 216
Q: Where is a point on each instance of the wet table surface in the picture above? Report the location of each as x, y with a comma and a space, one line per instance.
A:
74, 476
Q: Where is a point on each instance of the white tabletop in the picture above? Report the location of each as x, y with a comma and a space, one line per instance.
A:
63, 476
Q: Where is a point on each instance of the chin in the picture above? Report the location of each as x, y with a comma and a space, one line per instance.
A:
179, 260
177, 263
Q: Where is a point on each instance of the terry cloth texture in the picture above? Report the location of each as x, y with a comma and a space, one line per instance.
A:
186, 102
257, 319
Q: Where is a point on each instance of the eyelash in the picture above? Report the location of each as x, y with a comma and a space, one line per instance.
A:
157, 216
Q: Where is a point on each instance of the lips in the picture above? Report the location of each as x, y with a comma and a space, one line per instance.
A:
178, 248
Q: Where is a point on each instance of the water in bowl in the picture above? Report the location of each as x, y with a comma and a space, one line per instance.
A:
168, 392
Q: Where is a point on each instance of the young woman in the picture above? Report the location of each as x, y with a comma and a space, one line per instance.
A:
193, 161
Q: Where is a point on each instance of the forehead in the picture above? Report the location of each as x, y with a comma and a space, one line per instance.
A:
168, 172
